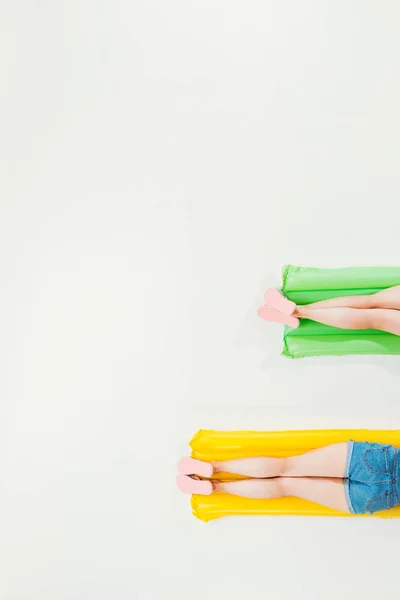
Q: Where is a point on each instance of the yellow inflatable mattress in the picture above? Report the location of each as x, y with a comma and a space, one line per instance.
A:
224, 445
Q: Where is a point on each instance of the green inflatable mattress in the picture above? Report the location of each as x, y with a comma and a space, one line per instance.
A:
304, 285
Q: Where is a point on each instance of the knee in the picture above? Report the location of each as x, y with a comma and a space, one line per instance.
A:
367, 319
286, 485
270, 467
368, 301
288, 466
372, 319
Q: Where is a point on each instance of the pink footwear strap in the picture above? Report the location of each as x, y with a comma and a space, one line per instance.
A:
187, 485
192, 466
269, 314
273, 299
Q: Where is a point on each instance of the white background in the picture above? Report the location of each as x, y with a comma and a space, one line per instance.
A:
160, 161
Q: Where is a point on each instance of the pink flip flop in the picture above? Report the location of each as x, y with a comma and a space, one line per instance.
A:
191, 466
269, 314
273, 299
188, 485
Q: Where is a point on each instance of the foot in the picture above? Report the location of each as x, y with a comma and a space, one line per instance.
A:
192, 466
269, 314
194, 485
273, 299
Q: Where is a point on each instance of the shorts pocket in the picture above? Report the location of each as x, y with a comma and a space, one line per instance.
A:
378, 503
377, 460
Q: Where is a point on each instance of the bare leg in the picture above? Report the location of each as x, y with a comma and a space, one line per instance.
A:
328, 492
329, 461
389, 298
353, 318
252, 488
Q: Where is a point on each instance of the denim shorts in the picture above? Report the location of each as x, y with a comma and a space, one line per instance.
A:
372, 478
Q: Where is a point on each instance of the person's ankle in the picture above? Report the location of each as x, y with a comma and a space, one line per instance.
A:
300, 312
217, 486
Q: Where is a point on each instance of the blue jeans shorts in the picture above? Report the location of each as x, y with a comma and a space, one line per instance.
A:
372, 478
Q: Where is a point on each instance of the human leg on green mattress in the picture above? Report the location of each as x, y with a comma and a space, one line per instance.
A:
388, 298
380, 311
352, 318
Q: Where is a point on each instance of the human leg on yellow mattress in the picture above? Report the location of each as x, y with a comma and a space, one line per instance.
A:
327, 491
355, 477
316, 476
328, 461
